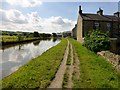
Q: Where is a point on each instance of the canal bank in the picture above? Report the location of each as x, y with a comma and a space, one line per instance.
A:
25, 40
14, 56
74, 67
39, 71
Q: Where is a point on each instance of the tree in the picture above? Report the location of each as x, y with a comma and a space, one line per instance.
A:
36, 34
97, 41
54, 34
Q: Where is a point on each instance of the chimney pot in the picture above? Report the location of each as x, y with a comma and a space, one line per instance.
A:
80, 11
100, 12
117, 14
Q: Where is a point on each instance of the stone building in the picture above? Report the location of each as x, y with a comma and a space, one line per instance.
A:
74, 32
87, 22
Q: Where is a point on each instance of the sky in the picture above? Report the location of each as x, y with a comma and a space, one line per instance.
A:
48, 16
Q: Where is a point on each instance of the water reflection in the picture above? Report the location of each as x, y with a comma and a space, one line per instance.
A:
54, 39
14, 45
16, 56
36, 43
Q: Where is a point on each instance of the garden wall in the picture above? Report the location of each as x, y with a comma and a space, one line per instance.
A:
115, 45
114, 59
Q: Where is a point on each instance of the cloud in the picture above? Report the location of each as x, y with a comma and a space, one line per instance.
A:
3, 15
33, 17
16, 16
56, 20
15, 20
25, 3
80, 0
13, 16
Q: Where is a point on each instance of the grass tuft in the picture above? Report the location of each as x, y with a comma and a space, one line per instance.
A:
66, 77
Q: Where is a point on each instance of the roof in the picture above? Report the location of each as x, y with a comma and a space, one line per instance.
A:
99, 17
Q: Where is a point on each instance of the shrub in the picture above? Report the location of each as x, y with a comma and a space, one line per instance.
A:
97, 41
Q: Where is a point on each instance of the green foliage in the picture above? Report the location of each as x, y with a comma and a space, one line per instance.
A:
54, 34
25, 34
39, 72
97, 41
36, 34
10, 39
95, 71
45, 35
6, 38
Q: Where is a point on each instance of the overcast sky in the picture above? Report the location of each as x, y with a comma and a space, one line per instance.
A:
47, 17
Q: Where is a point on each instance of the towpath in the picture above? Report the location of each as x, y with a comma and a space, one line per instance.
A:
57, 81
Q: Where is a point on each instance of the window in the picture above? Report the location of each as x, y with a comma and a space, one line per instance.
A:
96, 25
108, 26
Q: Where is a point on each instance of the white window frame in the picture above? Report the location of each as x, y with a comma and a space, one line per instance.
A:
108, 25
96, 24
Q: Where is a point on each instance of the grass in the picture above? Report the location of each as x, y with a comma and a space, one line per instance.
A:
74, 56
39, 72
95, 72
9, 39
6, 38
69, 57
66, 75
65, 79
75, 74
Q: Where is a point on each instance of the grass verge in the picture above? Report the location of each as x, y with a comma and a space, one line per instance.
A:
5, 39
69, 57
39, 72
95, 71
74, 56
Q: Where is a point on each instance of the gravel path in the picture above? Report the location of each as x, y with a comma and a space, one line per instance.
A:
57, 81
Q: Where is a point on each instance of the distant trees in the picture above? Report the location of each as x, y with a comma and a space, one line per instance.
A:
45, 35
26, 34
54, 34
97, 41
36, 34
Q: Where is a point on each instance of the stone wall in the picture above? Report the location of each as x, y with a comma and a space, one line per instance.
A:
114, 59
88, 25
114, 45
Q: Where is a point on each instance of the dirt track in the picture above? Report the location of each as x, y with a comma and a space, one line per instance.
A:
57, 81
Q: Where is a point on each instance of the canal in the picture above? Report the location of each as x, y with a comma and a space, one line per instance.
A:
17, 55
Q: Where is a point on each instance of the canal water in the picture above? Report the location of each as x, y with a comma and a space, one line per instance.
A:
18, 55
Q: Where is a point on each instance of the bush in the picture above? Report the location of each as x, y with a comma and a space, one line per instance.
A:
97, 41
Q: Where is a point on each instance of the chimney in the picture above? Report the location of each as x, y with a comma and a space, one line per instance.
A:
117, 14
80, 11
100, 12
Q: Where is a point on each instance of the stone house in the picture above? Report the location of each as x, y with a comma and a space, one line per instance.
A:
87, 22
67, 34
74, 31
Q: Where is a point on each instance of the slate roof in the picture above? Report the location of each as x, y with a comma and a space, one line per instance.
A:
99, 17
